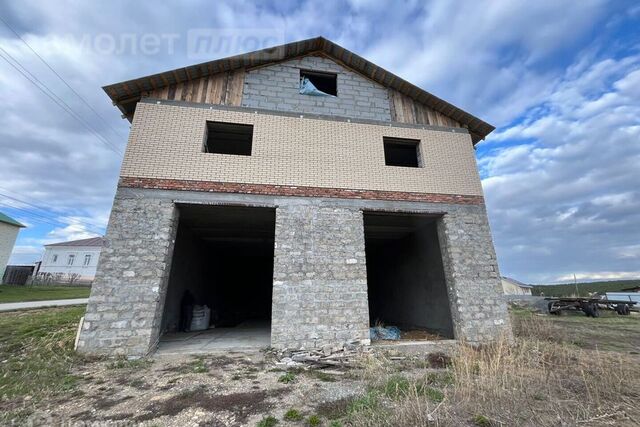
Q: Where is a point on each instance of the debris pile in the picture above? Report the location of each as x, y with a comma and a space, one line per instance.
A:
326, 357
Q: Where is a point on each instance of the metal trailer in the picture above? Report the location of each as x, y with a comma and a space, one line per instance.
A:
590, 306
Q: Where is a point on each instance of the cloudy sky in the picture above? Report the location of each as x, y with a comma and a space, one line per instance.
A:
559, 79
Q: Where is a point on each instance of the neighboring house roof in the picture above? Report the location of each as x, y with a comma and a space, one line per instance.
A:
126, 94
94, 241
516, 282
8, 220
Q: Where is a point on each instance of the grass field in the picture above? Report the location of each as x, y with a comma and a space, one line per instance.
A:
11, 293
584, 289
36, 354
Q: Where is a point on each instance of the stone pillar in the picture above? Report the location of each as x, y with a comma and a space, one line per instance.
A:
320, 277
127, 297
471, 270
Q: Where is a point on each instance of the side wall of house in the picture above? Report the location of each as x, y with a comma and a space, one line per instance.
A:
8, 235
166, 142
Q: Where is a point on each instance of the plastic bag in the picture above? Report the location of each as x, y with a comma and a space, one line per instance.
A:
384, 333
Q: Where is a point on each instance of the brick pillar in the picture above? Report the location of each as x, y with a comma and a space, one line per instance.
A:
471, 270
320, 277
127, 297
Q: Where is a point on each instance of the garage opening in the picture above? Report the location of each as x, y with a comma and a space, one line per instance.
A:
405, 275
222, 259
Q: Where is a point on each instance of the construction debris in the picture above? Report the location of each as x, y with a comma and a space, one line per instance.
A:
326, 357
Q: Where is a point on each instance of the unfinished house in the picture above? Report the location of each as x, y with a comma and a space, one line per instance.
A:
303, 194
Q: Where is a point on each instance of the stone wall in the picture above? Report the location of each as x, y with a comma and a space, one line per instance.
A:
320, 278
319, 285
471, 270
127, 297
277, 87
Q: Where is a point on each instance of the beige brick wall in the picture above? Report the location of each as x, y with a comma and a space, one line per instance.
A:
166, 142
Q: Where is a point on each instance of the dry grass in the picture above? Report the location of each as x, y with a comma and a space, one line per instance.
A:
539, 379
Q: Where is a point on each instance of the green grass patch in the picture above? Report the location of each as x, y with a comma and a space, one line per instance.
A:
293, 415
314, 421
36, 350
11, 293
396, 386
482, 421
268, 422
367, 402
287, 378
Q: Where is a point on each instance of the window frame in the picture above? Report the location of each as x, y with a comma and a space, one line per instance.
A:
70, 259
388, 142
210, 147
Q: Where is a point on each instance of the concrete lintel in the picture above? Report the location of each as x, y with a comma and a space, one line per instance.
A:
257, 200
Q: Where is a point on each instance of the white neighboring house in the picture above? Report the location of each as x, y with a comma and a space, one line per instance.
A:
72, 261
9, 228
513, 287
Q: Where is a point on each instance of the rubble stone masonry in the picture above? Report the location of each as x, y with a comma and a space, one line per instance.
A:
320, 175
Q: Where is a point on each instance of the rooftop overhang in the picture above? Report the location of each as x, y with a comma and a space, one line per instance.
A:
126, 94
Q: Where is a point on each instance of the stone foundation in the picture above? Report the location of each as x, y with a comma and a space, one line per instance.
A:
320, 285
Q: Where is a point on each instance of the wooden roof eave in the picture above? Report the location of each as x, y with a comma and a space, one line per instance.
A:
122, 93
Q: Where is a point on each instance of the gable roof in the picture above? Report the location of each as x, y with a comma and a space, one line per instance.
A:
126, 94
516, 282
93, 241
8, 220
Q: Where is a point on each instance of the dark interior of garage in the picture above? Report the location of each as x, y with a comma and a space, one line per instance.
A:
223, 256
405, 274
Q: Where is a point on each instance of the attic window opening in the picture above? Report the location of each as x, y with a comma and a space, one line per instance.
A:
318, 83
402, 152
229, 138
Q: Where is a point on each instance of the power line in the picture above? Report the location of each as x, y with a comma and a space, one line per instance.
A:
41, 208
32, 216
55, 98
119, 134
47, 217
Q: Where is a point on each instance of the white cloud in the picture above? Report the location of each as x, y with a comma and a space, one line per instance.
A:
559, 183
569, 196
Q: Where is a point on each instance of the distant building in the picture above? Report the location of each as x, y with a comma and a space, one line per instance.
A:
513, 287
9, 229
73, 261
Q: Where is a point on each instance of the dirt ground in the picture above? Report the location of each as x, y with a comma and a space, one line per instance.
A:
560, 370
234, 389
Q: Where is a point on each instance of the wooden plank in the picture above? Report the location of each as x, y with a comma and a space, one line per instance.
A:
171, 93
235, 87
205, 89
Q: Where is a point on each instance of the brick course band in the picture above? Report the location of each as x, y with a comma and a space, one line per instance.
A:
284, 190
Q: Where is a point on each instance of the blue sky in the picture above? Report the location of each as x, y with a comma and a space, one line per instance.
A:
560, 81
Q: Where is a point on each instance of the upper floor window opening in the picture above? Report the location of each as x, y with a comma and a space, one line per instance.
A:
318, 83
228, 138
